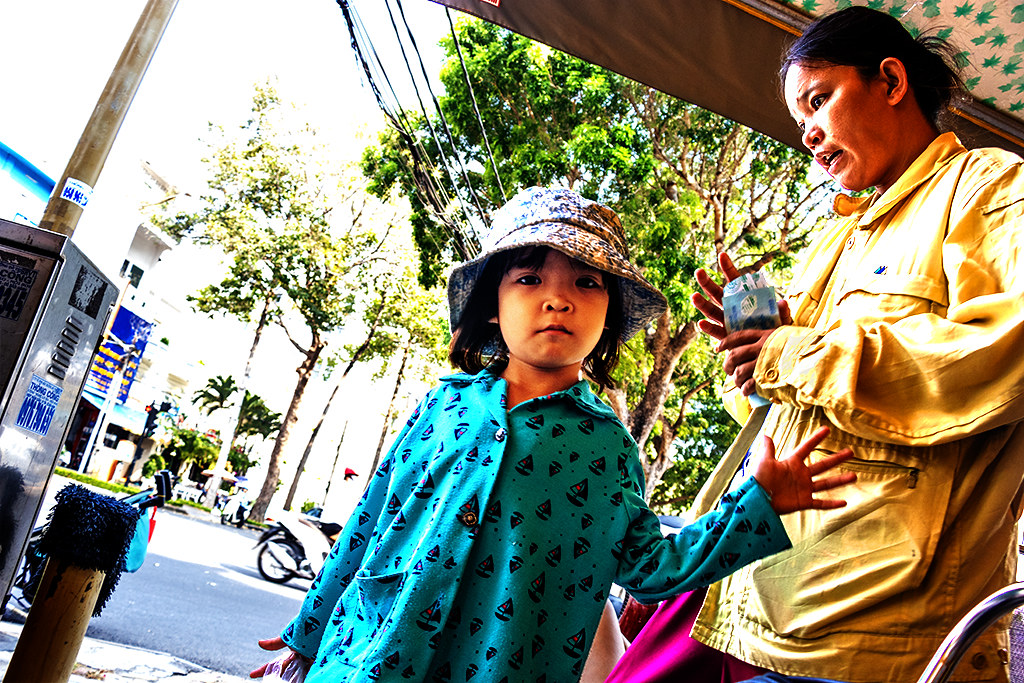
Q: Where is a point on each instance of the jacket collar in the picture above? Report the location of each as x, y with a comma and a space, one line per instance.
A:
487, 381
940, 152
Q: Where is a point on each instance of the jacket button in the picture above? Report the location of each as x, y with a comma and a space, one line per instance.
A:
468, 518
500, 434
978, 661
850, 242
771, 374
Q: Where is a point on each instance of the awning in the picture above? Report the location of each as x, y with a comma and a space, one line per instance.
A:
121, 415
723, 55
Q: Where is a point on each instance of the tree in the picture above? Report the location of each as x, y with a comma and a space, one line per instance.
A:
216, 395
300, 235
189, 446
399, 316
686, 183
254, 418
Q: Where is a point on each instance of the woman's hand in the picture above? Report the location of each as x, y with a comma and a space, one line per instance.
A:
741, 347
273, 645
790, 482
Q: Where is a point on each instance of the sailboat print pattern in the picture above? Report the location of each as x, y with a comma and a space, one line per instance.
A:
486, 543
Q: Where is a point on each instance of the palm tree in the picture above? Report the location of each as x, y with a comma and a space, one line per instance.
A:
216, 394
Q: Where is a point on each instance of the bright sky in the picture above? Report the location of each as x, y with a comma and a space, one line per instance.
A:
56, 56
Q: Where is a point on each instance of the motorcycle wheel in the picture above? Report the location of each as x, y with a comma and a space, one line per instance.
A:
268, 566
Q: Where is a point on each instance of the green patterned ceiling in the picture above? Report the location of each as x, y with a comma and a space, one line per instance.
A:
990, 35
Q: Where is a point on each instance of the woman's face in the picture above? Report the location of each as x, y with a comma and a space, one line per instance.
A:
848, 123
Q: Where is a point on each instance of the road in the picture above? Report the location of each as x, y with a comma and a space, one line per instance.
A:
199, 597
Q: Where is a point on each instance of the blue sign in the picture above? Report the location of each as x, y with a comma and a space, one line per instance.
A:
39, 406
132, 330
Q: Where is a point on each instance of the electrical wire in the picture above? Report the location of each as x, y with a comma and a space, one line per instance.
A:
423, 171
476, 108
430, 126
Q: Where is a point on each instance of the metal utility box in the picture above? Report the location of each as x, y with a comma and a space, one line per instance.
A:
54, 306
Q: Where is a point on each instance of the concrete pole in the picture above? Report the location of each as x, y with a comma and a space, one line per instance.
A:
72, 193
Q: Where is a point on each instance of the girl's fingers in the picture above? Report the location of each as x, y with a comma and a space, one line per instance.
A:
785, 317
833, 482
271, 643
830, 461
828, 504
711, 329
805, 448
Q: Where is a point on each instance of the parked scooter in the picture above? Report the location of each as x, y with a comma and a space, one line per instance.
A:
236, 509
295, 547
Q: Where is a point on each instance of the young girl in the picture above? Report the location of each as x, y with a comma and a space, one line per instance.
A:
486, 542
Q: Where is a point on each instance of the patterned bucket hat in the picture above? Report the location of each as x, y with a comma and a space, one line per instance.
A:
577, 227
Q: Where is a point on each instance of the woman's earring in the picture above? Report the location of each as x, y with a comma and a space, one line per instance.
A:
494, 319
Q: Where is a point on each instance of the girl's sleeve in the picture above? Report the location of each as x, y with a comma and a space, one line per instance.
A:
304, 633
742, 529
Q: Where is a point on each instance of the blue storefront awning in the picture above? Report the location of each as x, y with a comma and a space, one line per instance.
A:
121, 415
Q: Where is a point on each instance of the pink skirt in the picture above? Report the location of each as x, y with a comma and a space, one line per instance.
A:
664, 652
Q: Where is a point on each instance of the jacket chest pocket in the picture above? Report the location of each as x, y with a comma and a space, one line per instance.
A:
888, 297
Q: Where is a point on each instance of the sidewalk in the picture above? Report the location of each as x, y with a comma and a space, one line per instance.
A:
99, 660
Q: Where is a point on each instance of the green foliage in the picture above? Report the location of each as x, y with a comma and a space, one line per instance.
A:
216, 394
154, 464
92, 481
706, 434
190, 446
239, 461
307, 506
686, 183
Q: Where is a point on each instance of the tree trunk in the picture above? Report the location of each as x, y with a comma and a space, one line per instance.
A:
667, 349
305, 370
337, 456
356, 357
655, 469
228, 438
387, 416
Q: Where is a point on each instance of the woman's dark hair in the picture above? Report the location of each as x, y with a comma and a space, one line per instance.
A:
861, 37
477, 343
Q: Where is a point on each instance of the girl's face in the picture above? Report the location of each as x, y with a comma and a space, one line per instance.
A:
848, 124
552, 316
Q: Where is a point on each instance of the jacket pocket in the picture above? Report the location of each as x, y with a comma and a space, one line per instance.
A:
890, 296
843, 561
377, 594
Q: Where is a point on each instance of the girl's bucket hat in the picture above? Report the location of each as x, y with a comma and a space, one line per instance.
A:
577, 227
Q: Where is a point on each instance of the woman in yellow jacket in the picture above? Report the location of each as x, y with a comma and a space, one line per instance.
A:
907, 338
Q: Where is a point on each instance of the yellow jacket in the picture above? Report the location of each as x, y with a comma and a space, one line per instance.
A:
908, 340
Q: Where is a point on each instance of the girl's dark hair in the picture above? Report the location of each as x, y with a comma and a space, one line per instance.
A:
477, 343
863, 37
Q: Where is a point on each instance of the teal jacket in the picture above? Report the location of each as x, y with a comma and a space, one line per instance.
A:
487, 540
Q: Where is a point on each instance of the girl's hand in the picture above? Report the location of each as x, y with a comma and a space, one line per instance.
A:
274, 644
790, 482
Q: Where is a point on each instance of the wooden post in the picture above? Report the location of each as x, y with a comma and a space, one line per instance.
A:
56, 624
71, 194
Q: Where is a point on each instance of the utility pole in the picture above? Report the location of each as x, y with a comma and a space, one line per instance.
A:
72, 193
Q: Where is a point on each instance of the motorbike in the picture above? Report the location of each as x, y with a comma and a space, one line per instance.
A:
235, 510
294, 547
147, 501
